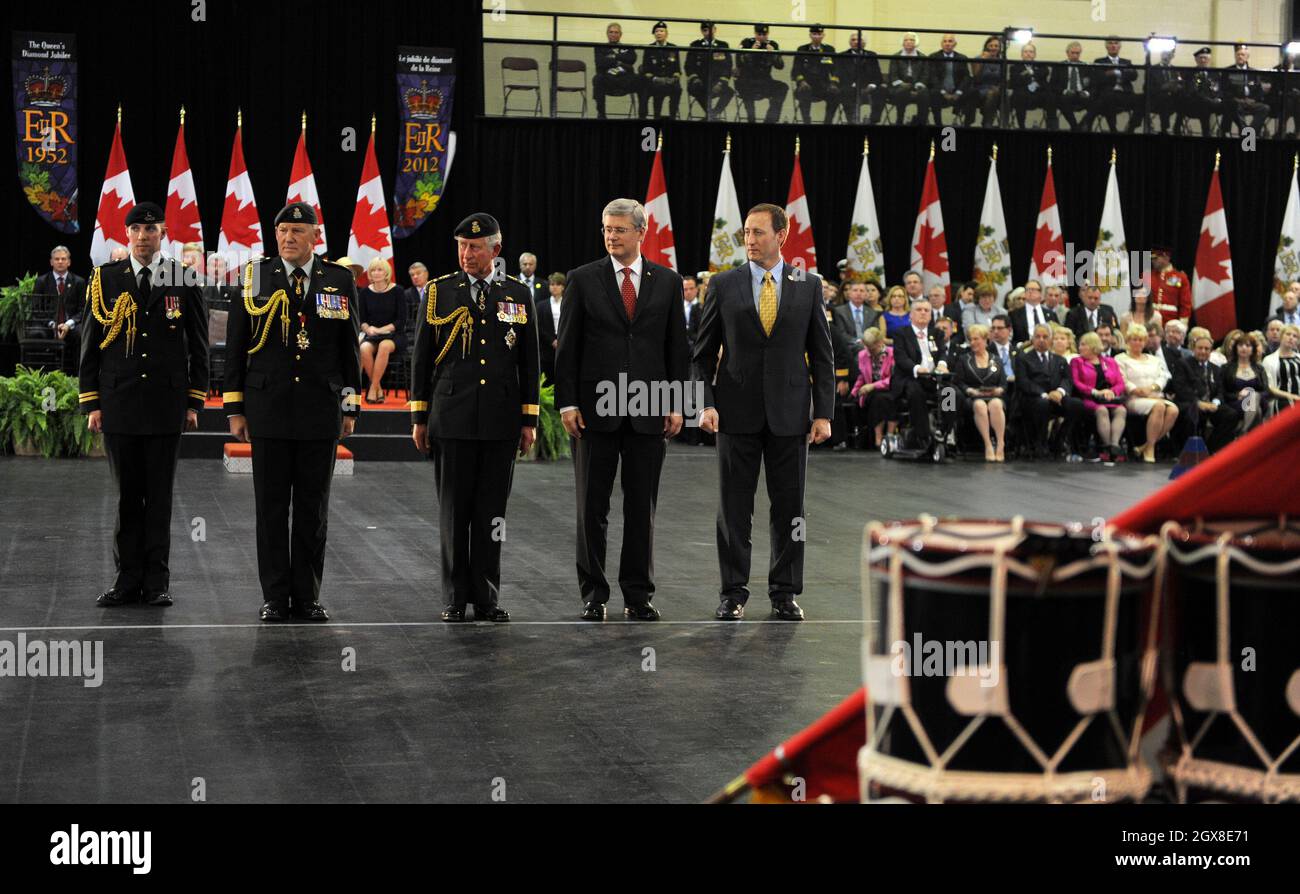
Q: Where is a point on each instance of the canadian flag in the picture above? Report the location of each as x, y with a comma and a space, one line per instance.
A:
116, 199
241, 229
371, 235
799, 248
929, 247
1047, 264
182, 213
658, 243
302, 183
1212, 294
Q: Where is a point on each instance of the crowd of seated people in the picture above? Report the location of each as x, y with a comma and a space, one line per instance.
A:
998, 86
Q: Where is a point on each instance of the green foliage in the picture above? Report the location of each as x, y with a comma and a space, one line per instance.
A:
15, 305
41, 409
552, 439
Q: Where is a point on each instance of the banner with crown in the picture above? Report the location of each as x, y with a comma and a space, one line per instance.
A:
426, 80
45, 103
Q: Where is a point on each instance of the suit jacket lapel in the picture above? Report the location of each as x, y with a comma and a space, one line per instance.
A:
746, 287
613, 288
785, 296
648, 281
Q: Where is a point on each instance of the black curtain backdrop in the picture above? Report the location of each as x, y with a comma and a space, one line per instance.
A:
547, 180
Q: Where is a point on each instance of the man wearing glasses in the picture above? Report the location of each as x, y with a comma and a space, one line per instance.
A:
623, 332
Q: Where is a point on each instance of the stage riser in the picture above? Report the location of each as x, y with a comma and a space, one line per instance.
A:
368, 447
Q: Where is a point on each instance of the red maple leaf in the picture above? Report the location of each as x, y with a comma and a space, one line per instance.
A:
240, 225
111, 218
367, 225
1212, 260
932, 247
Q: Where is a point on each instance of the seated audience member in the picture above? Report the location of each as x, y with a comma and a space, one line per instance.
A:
965, 296
1145, 378
1224, 350
1100, 384
1181, 389
1031, 313
896, 315
708, 72
661, 74
1044, 385
949, 79
1222, 417
942, 308
918, 356
981, 383
1245, 384
1001, 346
907, 77
1260, 341
850, 319
615, 71
382, 306
1272, 336
1071, 85
1108, 344
69, 306
875, 367
1063, 342
1196, 332
985, 307
1283, 369
861, 81
1015, 301
1113, 79
1089, 313
754, 80
1139, 310
948, 332
987, 76
874, 294
1176, 338
1289, 312
1056, 303
1029, 82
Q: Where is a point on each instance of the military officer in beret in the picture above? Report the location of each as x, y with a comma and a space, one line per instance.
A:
293, 380
474, 396
144, 375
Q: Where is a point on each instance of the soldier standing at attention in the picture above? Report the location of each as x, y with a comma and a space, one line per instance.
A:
474, 395
293, 380
144, 374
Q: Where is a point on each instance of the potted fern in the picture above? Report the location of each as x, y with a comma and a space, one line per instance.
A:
15, 305
552, 440
39, 415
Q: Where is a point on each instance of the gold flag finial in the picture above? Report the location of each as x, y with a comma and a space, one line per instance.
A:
866, 145
182, 115
796, 144
995, 151
728, 149
239, 117
1049, 155
1295, 164
1113, 154
304, 119
119, 113
659, 144
1216, 159
372, 123
932, 150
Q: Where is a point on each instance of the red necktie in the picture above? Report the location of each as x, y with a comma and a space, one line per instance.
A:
629, 293
62, 285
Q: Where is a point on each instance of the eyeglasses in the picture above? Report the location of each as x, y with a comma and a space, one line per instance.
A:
617, 231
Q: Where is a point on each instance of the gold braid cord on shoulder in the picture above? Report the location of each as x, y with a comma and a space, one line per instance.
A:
278, 299
461, 320
124, 309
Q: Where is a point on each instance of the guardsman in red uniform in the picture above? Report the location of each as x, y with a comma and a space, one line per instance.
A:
1171, 290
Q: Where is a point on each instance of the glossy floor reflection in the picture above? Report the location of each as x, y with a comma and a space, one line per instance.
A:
546, 708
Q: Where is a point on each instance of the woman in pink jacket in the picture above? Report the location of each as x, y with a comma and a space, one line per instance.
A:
1100, 383
875, 366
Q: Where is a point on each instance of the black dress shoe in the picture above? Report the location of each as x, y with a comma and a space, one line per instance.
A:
274, 612
115, 597
491, 613
787, 611
312, 611
593, 611
453, 614
645, 612
730, 610
161, 598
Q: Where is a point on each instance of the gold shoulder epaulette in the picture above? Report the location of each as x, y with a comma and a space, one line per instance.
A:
445, 276
514, 279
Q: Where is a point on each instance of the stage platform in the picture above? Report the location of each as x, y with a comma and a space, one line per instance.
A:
546, 708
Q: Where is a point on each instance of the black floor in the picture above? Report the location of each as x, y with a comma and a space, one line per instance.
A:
545, 708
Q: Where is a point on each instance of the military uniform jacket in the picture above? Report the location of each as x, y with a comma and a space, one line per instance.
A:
661, 61
485, 384
155, 366
816, 65
615, 59
285, 390
708, 59
758, 64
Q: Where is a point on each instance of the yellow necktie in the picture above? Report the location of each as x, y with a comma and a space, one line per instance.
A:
767, 303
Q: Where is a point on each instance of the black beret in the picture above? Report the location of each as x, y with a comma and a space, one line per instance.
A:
144, 213
706, 24
815, 29
1203, 51
657, 25
477, 225
760, 28
296, 212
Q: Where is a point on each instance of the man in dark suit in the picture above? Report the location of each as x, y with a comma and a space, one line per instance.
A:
293, 381
474, 399
69, 306
770, 396
1031, 313
708, 72
548, 309
1045, 391
907, 80
535, 284
144, 375
622, 334
1030, 83
1112, 93
1181, 388
861, 81
850, 319
1089, 313
949, 79
754, 80
1071, 85
1243, 94
615, 71
918, 352
1207, 379
815, 76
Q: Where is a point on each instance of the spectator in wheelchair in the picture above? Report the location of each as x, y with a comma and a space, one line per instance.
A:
1099, 382
981, 383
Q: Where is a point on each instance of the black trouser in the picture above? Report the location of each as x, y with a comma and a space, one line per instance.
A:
784, 459
773, 91
653, 91
1022, 101
1108, 104
806, 94
605, 84
915, 394
720, 91
291, 473
1200, 108
1069, 104
940, 100
852, 99
1040, 411
596, 457
144, 468
473, 480
1241, 108
904, 95
1223, 426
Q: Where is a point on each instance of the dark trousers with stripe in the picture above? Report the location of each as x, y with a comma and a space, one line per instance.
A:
784, 459
292, 474
144, 469
473, 480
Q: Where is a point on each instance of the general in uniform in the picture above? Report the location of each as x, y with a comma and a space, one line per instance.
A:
708, 72
1171, 290
144, 375
474, 403
661, 72
293, 382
